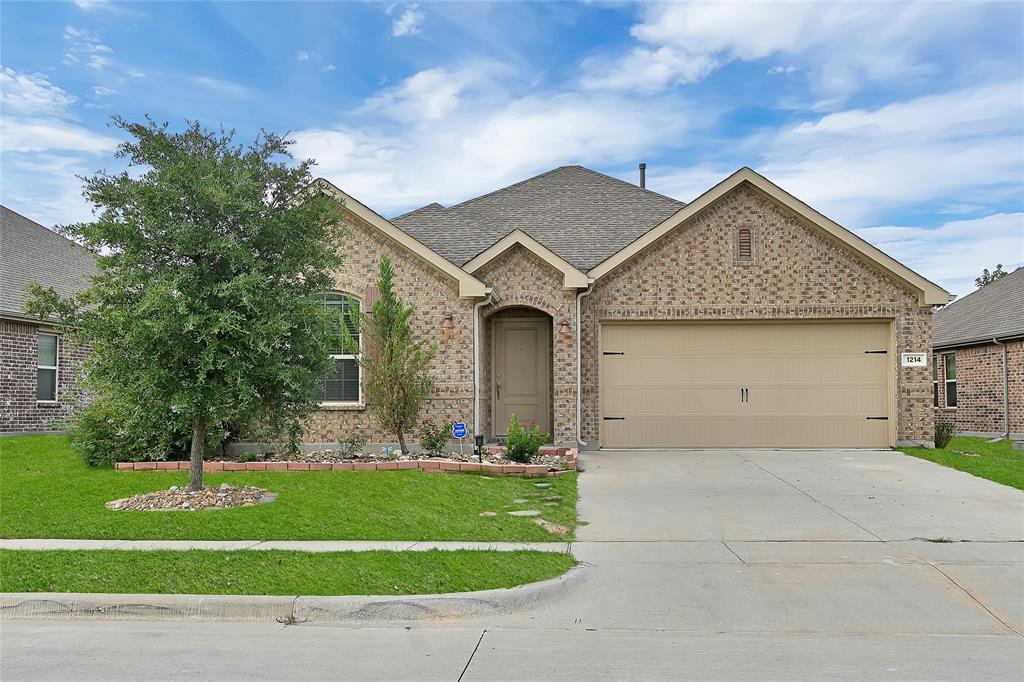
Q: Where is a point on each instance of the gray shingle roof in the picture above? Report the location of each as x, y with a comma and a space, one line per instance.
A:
580, 214
994, 311
31, 253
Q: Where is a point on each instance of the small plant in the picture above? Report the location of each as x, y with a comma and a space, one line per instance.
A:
250, 457
351, 446
521, 443
944, 432
434, 436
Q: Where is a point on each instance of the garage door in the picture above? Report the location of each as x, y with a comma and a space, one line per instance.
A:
748, 384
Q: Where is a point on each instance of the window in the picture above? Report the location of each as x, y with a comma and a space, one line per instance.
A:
744, 244
935, 381
46, 374
342, 384
950, 364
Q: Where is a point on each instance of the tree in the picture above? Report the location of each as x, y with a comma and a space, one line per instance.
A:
396, 365
203, 311
989, 277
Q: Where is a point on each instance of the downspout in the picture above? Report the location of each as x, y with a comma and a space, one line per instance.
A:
579, 365
488, 298
1006, 390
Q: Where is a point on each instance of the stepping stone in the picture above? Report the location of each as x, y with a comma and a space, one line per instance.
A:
524, 512
519, 501
488, 513
550, 504
542, 485
552, 527
553, 497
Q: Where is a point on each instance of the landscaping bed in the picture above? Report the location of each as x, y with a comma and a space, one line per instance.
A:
274, 572
996, 461
48, 492
177, 498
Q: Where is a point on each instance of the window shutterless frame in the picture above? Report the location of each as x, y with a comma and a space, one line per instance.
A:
46, 388
350, 305
935, 381
949, 365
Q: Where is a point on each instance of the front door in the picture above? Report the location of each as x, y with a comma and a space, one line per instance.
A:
522, 357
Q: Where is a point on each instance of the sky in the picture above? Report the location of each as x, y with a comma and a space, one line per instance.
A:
902, 121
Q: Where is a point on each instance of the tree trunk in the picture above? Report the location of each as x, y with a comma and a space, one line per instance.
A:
401, 443
195, 470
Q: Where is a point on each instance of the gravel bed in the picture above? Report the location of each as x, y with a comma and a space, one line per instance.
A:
552, 462
180, 499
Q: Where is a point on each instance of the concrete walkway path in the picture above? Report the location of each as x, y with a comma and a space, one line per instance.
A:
297, 545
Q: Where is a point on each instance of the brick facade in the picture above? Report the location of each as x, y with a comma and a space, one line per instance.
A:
21, 412
979, 388
796, 273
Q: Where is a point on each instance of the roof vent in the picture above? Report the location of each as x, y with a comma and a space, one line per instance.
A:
643, 175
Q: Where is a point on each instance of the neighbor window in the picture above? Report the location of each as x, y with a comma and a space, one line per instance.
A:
935, 381
950, 364
46, 374
342, 385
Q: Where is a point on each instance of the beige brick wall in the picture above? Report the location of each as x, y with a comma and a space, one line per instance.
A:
797, 273
433, 293
979, 381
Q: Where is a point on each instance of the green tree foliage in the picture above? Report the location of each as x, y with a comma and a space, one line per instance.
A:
989, 277
203, 315
397, 366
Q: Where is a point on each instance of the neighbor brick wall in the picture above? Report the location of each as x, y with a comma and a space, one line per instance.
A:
432, 293
797, 273
979, 379
18, 365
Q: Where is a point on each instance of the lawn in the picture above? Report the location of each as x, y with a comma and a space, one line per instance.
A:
997, 461
273, 572
47, 492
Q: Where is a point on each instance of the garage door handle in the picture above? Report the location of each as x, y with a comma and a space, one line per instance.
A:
613, 419
885, 419
613, 352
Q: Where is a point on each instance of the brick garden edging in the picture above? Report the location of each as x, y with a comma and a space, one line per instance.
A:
569, 455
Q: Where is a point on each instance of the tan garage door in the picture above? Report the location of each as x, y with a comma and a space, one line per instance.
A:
745, 384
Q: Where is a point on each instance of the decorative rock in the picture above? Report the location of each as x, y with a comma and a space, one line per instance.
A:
175, 498
524, 512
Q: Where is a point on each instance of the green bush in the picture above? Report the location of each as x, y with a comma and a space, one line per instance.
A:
434, 436
250, 457
108, 431
944, 432
350, 446
521, 443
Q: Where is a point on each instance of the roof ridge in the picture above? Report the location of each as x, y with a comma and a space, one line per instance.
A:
630, 184
512, 186
432, 204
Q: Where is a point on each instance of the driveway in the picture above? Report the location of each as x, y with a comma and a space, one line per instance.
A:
741, 565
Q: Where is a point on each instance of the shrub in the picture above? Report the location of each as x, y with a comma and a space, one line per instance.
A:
350, 446
521, 443
108, 431
250, 457
944, 431
434, 436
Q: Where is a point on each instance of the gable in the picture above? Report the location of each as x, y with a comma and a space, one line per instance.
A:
571, 277
928, 293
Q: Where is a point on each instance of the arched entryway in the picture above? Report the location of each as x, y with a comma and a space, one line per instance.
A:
518, 374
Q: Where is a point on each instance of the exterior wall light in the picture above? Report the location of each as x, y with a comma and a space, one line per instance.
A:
447, 324
564, 330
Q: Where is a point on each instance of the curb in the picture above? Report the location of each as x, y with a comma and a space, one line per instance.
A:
288, 610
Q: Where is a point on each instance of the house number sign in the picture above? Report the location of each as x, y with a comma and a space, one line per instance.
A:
913, 360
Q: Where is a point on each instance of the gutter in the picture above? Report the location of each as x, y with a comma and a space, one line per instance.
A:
579, 368
490, 296
1012, 336
1006, 390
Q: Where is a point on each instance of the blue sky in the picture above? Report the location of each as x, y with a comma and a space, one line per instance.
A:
902, 121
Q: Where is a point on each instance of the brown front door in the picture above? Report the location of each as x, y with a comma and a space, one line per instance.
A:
522, 356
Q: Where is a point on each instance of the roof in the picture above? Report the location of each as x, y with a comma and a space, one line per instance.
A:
30, 252
995, 310
581, 215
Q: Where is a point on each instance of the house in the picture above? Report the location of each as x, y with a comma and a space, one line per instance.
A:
978, 360
616, 317
38, 384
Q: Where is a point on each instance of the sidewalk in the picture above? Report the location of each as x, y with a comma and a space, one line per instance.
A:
298, 545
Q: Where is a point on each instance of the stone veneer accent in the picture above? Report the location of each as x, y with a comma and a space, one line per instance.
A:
19, 410
979, 388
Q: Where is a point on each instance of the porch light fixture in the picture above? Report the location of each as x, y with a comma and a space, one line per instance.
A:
447, 324
564, 330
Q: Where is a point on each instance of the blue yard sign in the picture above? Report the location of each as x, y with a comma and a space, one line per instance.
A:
459, 430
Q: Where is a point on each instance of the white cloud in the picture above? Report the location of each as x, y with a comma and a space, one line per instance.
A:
100, 91
328, 68
956, 252
25, 93
427, 95
94, 4
305, 55
780, 69
86, 48
647, 70
39, 135
409, 23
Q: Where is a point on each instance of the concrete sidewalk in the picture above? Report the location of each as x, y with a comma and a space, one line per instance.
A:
295, 545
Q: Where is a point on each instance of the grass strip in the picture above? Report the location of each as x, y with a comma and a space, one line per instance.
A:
997, 461
46, 491
258, 572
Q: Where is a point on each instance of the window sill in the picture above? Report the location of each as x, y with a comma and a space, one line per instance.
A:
341, 407
47, 403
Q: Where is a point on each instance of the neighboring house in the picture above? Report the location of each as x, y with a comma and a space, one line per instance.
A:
618, 317
38, 383
978, 360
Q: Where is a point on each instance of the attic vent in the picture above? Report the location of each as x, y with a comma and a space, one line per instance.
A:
744, 244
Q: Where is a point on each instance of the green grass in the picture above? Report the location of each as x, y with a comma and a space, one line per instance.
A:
47, 492
273, 572
997, 461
